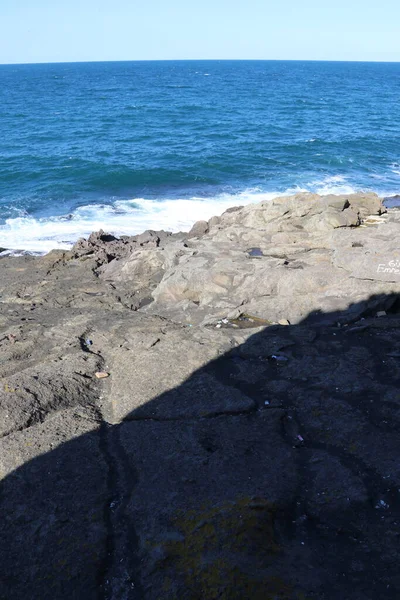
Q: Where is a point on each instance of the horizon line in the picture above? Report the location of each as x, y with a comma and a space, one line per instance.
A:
145, 60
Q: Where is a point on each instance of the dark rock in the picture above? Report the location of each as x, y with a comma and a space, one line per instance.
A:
392, 201
255, 252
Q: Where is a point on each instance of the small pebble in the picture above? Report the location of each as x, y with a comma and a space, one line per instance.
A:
102, 375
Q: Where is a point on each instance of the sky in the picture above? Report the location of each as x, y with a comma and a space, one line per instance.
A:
97, 30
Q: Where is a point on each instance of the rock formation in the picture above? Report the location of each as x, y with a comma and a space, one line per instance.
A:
245, 443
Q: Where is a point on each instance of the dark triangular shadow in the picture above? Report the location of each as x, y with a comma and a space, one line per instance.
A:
290, 491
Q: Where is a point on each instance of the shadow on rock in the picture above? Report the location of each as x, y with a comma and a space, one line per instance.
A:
270, 473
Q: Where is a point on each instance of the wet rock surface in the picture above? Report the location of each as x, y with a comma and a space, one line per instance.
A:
225, 455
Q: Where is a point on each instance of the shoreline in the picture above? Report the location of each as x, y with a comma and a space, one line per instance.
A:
199, 208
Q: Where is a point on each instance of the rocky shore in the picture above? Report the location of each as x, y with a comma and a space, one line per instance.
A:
206, 415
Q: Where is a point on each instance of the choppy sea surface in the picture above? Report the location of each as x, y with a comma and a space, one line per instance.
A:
134, 145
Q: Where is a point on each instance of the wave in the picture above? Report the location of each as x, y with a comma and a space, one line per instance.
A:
122, 217
335, 184
129, 217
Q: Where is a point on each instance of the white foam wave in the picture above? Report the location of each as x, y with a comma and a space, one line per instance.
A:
335, 184
124, 217
129, 217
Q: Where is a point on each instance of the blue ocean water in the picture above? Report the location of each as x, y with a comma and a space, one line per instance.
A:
131, 145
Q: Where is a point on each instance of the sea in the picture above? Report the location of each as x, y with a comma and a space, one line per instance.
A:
129, 146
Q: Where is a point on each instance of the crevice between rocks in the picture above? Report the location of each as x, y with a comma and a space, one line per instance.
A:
121, 561
194, 418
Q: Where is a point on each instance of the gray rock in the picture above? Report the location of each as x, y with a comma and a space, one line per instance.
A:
204, 466
199, 229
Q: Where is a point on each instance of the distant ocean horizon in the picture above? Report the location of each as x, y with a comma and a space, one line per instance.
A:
127, 146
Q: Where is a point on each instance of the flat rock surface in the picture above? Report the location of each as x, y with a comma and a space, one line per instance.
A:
225, 455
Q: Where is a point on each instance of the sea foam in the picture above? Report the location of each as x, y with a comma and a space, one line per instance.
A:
129, 217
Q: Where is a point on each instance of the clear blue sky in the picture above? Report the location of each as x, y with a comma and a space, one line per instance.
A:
83, 30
